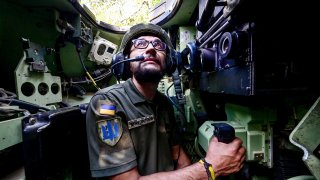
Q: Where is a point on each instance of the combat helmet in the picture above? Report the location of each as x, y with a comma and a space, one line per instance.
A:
138, 30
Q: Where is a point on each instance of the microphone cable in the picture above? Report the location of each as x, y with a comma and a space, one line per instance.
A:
137, 58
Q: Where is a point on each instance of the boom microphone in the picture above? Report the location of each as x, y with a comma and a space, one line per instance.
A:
137, 58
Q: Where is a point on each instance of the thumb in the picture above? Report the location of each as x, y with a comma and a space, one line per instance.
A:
214, 139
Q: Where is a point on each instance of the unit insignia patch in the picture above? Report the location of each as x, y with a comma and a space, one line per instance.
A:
110, 130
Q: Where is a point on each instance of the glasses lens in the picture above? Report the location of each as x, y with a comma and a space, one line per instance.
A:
142, 44
159, 45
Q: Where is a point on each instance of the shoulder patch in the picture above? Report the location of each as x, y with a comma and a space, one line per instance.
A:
106, 107
110, 130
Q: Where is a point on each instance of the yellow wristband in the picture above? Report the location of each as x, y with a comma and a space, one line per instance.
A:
208, 168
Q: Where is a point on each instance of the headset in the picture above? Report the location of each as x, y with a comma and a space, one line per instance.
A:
121, 69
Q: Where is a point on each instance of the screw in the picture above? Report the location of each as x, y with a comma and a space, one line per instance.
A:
32, 121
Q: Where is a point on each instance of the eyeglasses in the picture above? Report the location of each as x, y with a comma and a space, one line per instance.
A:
142, 44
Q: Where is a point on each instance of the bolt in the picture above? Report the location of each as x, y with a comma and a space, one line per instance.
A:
32, 121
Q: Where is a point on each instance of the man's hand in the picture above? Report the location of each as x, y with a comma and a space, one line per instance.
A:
225, 158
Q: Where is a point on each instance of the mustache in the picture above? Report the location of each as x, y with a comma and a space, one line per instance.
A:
151, 58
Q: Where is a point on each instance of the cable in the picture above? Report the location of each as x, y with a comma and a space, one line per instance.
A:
138, 58
7, 94
175, 104
85, 69
179, 109
99, 78
33, 108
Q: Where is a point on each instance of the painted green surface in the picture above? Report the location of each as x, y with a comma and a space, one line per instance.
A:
10, 132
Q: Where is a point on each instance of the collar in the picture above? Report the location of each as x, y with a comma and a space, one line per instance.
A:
134, 95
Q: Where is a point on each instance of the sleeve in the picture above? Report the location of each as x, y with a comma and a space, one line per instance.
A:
110, 146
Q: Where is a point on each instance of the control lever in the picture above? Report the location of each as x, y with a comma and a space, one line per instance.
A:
224, 132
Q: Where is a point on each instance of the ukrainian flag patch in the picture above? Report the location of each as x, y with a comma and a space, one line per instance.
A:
107, 108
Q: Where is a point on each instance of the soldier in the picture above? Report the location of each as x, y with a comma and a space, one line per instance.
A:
131, 128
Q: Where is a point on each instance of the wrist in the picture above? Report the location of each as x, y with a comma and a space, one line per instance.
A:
209, 169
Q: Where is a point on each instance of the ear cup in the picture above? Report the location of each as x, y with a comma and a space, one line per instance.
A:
118, 69
122, 70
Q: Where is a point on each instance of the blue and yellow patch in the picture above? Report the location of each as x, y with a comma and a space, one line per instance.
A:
106, 108
110, 130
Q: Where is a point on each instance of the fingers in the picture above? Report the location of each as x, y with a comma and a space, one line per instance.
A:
241, 155
241, 163
234, 147
237, 141
226, 158
214, 139
242, 158
242, 150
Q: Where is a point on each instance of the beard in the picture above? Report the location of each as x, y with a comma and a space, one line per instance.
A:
148, 75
